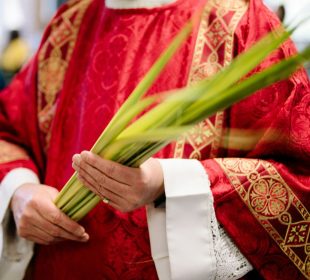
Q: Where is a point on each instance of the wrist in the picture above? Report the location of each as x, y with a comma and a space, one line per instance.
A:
154, 179
13, 181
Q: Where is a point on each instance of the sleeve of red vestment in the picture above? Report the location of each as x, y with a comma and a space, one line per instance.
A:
21, 144
261, 185
18, 131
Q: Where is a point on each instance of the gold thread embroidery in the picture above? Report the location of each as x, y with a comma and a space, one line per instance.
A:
54, 58
10, 152
211, 37
272, 203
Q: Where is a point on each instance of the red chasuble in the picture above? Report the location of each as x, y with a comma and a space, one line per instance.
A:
257, 153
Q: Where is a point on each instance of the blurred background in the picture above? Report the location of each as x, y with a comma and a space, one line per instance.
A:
22, 23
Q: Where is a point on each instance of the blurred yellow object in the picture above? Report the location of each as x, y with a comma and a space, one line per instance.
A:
14, 55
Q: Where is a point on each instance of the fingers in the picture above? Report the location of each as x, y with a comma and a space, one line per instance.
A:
60, 225
57, 232
42, 236
99, 180
119, 203
38, 219
100, 190
28, 229
135, 186
124, 201
124, 186
116, 171
37, 240
33, 224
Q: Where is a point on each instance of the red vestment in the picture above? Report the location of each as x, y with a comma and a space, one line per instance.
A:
90, 60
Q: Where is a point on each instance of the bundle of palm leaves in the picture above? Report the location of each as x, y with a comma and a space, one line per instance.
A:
174, 113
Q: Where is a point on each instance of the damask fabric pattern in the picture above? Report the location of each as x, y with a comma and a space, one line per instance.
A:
105, 66
54, 57
16, 135
102, 56
268, 124
213, 51
274, 205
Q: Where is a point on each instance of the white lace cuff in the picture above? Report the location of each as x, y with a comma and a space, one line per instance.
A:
186, 239
230, 262
188, 223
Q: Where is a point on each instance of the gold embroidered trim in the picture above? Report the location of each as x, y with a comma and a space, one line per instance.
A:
211, 37
274, 205
10, 152
54, 58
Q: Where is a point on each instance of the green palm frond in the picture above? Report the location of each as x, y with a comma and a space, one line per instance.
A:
174, 113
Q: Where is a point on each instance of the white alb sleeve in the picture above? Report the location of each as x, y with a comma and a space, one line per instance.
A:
186, 240
15, 252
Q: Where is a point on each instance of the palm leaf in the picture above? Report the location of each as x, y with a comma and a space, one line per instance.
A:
176, 112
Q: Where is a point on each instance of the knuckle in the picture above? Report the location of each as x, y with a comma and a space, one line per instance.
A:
55, 232
102, 181
21, 226
82, 166
33, 203
91, 160
110, 169
55, 217
26, 216
87, 158
143, 181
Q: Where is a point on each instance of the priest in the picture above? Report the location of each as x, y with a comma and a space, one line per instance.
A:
231, 196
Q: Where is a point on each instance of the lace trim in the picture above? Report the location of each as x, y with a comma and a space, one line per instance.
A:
230, 262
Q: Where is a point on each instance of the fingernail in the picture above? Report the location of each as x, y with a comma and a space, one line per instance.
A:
76, 159
85, 237
84, 154
80, 232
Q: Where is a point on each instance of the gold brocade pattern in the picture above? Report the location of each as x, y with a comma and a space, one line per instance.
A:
10, 152
274, 205
213, 51
54, 57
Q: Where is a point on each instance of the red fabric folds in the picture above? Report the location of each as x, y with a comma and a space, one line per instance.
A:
90, 60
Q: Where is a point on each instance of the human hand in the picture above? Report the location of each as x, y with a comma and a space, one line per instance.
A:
39, 220
124, 188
